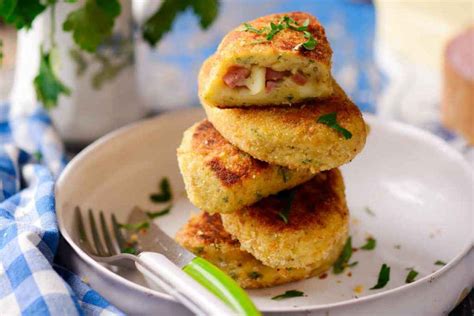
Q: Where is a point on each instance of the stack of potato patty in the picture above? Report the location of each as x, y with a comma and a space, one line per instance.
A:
263, 166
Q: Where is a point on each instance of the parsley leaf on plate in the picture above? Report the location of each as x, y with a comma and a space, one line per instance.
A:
370, 244
331, 121
161, 22
288, 294
165, 194
369, 211
21, 13
92, 23
411, 276
440, 263
135, 227
153, 215
384, 277
343, 260
130, 250
47, 85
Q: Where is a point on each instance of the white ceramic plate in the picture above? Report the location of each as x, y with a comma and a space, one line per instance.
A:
418, 189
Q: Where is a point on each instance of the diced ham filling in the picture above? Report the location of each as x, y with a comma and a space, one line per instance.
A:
270, 85
235, 76
274, 75
299, 79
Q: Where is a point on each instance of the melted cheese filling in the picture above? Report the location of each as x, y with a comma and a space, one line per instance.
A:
256, 82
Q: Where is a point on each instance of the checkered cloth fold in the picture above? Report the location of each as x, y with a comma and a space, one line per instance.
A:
31, 156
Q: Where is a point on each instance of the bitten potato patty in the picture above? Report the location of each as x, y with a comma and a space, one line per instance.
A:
249, 70
292, 136
316, 226
221, 178
204, 235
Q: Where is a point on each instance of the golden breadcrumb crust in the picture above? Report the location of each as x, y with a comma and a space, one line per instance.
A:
205, 236
318, 221
221, 178
291, 136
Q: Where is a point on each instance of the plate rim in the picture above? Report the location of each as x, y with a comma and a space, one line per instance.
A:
404, 128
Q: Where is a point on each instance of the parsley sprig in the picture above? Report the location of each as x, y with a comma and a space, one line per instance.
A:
91, 25
162, 21
47, 84
331, 121
285, 23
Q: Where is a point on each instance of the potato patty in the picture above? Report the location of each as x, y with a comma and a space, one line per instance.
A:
221, 178
204, 235
249, 70
291, 136
317, 224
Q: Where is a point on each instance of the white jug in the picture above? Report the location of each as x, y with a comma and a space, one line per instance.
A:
103, 90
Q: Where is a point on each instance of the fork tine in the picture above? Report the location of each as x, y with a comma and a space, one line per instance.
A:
95, 235
82, 231
105, 233
118, 233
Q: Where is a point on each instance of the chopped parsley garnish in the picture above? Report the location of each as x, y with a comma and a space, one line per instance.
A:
343, 261
284, 173
411, 276
288, 294
254, 275
135, 227
311, 43
440, 263
369, 211
198, 250
274, 29
287, 196
165, 194
331, 121
384, 277
130, 250
285, 23
370, 244
153, 215
250, 28
352, 264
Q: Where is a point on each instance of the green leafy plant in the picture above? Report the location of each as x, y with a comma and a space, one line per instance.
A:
91, 25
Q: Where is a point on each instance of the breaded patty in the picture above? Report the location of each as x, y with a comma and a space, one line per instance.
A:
221, 178
248, 69
291, 136
204, 235
317, 224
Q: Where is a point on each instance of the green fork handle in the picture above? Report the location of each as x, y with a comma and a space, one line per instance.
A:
221, 285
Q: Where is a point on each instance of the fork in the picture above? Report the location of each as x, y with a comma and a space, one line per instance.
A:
222, 296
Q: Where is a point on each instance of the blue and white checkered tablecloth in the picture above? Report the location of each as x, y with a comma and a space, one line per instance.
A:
31, 156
